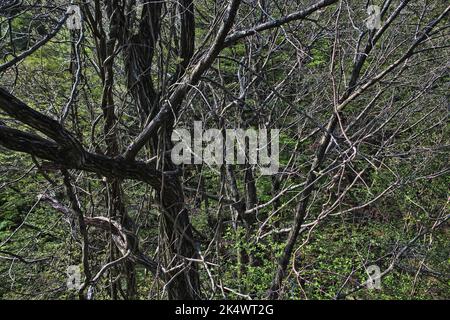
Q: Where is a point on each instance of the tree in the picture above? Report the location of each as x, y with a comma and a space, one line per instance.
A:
339, 91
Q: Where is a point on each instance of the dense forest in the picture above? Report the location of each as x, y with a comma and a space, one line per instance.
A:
112, 179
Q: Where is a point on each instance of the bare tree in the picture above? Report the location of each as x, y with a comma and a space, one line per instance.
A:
351, 96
